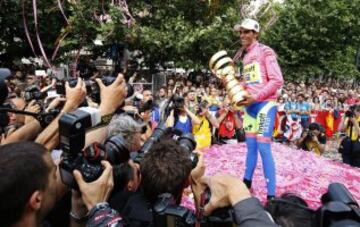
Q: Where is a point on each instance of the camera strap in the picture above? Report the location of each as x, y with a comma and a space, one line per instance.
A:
200, 212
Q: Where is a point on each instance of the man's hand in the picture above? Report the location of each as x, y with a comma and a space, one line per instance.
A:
196, 174
74, 96
225, 190
31, 107
249, 99
97, 191
55, 103
131, 109
112, 96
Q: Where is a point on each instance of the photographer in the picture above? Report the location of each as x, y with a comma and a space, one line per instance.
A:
129, 129
147, 96
313, 139
181, 117
164, 169
29, 187
28, 184
230, 124
350, 145
202, 132
156, 176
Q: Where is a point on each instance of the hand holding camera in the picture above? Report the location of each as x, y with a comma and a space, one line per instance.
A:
112, 96
34, 108
196, 174
74, 96
226, 190
97, 191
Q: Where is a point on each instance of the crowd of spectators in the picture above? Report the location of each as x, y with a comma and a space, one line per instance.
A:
309, 115
204, 109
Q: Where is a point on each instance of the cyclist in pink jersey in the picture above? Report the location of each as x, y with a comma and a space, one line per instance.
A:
262, 78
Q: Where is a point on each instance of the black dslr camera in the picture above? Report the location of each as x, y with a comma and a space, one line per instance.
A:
176, 102
33, 93
72, 129
186, 141
350, 113
92, 87
339, 208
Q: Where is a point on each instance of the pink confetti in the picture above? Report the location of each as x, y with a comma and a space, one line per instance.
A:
297, 171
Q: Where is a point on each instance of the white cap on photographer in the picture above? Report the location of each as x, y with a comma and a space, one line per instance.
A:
248, 24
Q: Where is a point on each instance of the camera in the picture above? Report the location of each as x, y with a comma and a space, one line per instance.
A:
179, 102
33, 93
310, 134
339, 208
72, 129
186, 141
202, 105
350, 113
92, 87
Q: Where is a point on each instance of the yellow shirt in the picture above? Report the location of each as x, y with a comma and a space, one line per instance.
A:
354, 132
202, 133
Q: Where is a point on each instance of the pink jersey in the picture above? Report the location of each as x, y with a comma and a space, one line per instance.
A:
262, 74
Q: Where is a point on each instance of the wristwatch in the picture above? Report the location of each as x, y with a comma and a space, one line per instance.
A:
105, 120
77, 218
97, 207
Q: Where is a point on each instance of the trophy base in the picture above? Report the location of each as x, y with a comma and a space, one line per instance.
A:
238, 98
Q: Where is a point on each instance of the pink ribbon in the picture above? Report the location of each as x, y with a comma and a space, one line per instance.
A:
62, 11
47, 62
26, 28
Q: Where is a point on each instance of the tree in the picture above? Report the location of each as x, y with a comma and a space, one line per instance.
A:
316, 38
184, 32
73, 26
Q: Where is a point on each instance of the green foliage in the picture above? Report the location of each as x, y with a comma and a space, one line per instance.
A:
312, 38
316, 38
186, 32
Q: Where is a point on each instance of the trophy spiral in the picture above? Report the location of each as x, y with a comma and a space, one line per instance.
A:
223, 67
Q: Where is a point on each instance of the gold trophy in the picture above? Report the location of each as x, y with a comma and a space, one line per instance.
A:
224, 69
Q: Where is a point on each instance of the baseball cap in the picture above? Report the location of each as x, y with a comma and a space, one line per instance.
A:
248, 24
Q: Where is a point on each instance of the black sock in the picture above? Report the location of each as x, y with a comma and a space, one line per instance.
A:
247, 183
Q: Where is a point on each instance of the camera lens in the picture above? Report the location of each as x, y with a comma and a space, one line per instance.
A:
187, 142
116, 150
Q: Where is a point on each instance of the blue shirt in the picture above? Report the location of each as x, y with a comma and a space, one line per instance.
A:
292, 106
185, 127
304, 106
156, 114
